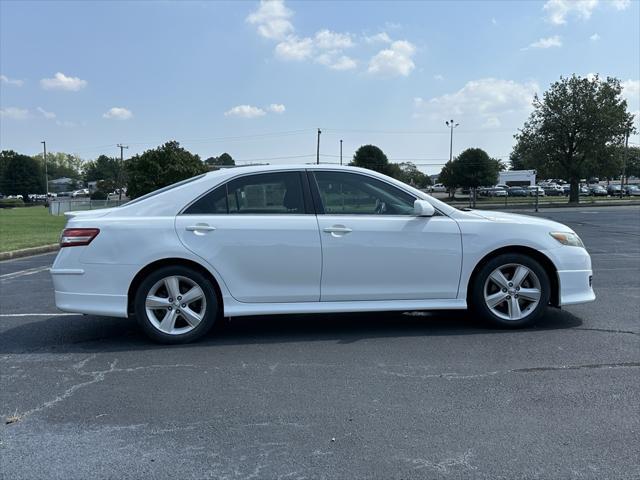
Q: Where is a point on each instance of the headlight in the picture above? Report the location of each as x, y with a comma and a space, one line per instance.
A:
567, 238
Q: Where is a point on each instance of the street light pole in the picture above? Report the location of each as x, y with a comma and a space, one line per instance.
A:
318, 149
451, 124
121, 147
46, 174
340, 152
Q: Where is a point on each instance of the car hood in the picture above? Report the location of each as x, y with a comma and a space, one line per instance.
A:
513, 218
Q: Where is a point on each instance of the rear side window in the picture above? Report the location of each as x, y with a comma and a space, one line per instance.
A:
213, 203
274, 193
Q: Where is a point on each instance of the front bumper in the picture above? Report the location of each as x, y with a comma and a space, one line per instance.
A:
576, 287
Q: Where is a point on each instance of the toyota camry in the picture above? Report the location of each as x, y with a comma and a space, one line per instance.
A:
267, 240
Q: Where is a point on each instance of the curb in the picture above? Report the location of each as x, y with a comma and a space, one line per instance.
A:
27, 252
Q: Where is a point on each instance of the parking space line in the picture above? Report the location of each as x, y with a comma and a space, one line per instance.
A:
23, 273
38, 314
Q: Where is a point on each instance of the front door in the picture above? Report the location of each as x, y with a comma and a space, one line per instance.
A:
374, 248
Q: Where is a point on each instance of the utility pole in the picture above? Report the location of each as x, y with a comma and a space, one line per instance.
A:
121, 147
340, 152
46, 174
624, 163
451, 125
318, 149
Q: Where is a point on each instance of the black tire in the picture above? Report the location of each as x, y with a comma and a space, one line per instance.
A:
209, 317
477, 294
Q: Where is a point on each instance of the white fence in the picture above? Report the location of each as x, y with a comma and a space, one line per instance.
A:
59, 206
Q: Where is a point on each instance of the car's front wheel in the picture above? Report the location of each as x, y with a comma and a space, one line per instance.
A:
511, 290
176, 304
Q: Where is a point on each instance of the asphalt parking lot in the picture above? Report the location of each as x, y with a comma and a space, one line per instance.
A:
339, 396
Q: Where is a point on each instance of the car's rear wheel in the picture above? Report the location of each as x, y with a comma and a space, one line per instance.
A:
511, 290
176, 304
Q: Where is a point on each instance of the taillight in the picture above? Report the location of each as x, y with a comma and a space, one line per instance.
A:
72, 237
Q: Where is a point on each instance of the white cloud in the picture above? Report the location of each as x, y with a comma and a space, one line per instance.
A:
61, 82
340, 63
382, 37
559, 10
548, 42
492, 122
482, 102
14, 113
328, 40
631, 88
245, 111
118, 113
45, 114
295, 49
277, 108
11, 81
65, 123
621, 4
395, 60
595, 37
438, 77
272, 18
494, 21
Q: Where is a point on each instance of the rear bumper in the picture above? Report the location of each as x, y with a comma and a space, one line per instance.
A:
576, 287
92, 303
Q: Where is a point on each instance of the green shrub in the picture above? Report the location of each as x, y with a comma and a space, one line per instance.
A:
11, 202
98, 195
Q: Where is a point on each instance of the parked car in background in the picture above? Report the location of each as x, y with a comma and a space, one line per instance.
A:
83, 192
496, 192
632, 190
272, 239
597, 191
614, 189
532, 189
517, 192
438, 188
553, 189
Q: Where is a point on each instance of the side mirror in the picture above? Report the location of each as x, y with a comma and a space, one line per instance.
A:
422, 208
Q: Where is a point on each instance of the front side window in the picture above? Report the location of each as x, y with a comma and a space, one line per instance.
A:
344, 193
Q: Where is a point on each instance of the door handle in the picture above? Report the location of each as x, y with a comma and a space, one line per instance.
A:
337, 229
200, 227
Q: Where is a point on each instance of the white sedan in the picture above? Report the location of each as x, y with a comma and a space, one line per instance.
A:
309, 239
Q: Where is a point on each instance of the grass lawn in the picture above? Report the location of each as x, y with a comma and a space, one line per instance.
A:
28, 227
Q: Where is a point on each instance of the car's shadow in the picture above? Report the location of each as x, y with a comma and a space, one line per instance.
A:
69, 334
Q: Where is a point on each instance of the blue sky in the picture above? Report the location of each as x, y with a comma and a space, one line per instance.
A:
257, 79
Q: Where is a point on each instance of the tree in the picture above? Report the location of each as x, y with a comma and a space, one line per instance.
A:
632, 167
223, 160
410, 174
471, 169
571, 129
474, 168
448, 179
160, 167
20, 174
107, 171
60, 164
371, 157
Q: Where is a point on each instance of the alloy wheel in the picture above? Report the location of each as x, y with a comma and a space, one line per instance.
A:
175, 305
512, 291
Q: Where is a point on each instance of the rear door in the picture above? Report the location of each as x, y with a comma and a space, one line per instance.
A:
375, 248
260, 234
